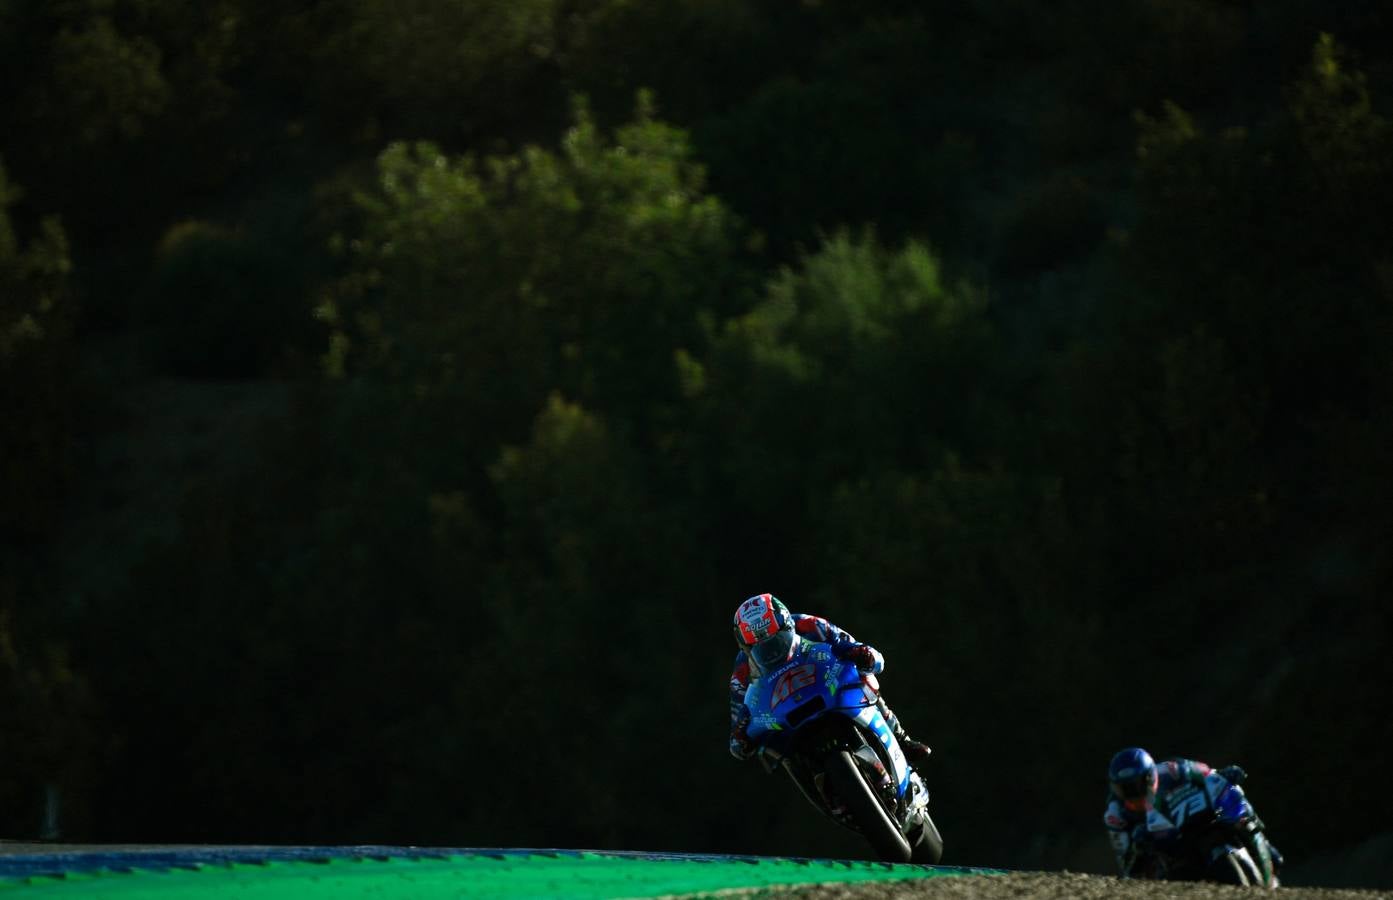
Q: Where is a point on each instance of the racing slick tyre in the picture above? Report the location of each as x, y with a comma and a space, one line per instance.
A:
866, 811
1235, 868
927, 846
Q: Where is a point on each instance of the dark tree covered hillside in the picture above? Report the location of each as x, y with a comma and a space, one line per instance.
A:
399, 398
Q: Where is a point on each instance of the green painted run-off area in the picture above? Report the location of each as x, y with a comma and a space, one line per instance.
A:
447, 873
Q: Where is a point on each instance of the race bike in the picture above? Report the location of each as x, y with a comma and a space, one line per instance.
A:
817, 718
1216, 836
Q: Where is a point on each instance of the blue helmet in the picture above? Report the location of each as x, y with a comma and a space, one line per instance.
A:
1132, 776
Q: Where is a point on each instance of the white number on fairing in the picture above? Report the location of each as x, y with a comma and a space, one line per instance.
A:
1184, 803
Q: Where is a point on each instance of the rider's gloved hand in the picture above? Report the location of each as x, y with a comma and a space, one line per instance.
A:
860, 655
741, 746
1233, 774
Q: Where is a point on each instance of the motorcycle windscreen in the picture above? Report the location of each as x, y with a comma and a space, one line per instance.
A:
774, 650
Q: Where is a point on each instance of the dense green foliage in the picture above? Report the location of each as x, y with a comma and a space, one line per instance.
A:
1046, 346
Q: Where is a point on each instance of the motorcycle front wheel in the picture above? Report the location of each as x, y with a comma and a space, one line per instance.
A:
850, 786
1235, 868
927, 848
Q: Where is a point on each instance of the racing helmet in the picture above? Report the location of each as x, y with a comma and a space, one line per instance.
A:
1133, 778
764, 630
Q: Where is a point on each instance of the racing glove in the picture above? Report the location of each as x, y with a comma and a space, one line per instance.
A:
863, 656
741, 746
1233, 774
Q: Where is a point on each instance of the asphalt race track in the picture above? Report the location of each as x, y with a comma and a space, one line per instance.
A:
123, 872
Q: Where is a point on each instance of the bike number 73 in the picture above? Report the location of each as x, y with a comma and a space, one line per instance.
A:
1186, 803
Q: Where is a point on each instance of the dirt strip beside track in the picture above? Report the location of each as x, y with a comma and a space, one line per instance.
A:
1059, 886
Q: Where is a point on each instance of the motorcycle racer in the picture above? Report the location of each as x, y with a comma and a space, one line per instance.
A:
767, 634
1145, 806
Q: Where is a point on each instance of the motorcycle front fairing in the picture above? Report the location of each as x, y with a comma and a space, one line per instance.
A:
1231, 806
1230, 803
810, 684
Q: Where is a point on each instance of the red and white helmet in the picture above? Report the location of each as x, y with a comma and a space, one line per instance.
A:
764, 630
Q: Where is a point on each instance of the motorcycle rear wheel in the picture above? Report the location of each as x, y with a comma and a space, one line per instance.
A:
866, 810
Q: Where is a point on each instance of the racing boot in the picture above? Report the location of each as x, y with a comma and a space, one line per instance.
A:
1276, 856
915, 751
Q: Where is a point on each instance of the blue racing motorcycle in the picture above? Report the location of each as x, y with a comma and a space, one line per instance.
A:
816, 717
1216, 836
